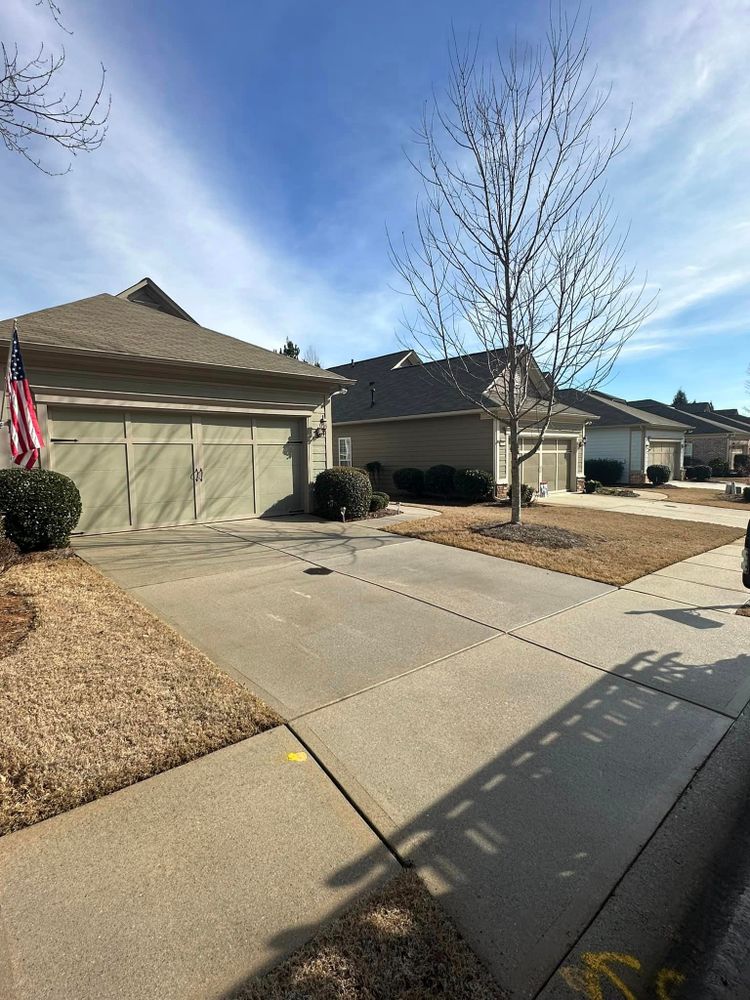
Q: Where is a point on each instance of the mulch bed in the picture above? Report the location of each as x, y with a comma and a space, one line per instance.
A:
546, 535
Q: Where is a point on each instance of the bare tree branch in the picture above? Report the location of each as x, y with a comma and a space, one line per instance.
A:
516, 267
32, 111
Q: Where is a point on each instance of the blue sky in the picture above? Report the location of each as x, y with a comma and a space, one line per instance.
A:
255, 158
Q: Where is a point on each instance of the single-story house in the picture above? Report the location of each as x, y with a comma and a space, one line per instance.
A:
406, 413
728, 418
709, 436
161, 421
629, 435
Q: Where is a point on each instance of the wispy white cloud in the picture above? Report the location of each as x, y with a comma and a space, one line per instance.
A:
146, 202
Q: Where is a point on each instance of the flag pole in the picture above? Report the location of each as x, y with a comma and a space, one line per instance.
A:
7, 370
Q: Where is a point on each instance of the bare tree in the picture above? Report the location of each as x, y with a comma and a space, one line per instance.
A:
516, 267
311, 356
32, 110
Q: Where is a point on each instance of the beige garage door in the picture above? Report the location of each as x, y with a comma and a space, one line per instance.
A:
551, 465
556, 464
144, 469
665, 453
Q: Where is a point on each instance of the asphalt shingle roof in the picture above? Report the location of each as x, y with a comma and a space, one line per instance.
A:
108, 324
410, 390
698, 424
613, 412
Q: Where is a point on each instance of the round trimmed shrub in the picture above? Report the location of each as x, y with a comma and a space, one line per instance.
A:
608, 471
701, 473
379, 501
690, 471
409, 480
474, 484
440, 479
340, 487
41, 508
592, 485
746, 494
719, 467
658, 474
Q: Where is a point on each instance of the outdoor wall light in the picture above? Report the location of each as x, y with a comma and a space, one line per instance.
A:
320, 430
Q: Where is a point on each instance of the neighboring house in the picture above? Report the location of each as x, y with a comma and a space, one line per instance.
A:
709, 437
629, 435
405, 413
161, 421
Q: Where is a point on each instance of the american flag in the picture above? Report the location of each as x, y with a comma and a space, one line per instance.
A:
25, 436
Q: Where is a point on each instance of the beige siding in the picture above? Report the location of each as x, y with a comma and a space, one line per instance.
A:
211, 389
463, 441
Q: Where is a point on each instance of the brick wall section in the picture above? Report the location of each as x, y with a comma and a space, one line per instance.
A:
708, 447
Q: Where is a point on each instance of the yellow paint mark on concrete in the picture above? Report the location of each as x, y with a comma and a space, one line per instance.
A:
298, 755
595, 973
665, 979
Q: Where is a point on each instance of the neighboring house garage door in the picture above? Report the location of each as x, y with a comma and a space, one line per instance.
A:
665, 453
139, 469
551, 465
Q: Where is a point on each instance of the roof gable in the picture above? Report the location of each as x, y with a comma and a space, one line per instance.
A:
147, 293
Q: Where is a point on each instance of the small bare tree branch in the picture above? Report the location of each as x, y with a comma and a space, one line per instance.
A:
31, 110
517, 267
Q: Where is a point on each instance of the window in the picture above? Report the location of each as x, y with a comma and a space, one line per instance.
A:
345, 451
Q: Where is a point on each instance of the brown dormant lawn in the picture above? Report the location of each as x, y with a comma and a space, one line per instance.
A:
618, 547
396, 944
705, 498
100, 694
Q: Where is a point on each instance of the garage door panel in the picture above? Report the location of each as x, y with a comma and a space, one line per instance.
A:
100, 473
664, 454
228, 489
227, 430
82, 423
161, 427
277, 430
278, 478
163, 483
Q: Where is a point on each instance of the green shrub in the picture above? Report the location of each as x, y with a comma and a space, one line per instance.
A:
592, 485
440, 479
528, 494
41, 508
351, 468
607, 470
379, 501
741, 463
409, 480
474, 484
746, 494
342, 487
658, 474
690, 471
719, 467
701, 473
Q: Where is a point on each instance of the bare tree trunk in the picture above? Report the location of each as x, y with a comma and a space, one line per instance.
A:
515, 477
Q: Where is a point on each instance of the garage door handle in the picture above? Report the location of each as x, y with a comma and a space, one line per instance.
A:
198, 475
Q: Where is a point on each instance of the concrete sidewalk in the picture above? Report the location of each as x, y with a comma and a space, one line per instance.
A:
652, 507
518, 734
184, 885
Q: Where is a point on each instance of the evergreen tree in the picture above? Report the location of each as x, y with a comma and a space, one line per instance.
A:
680, 399
290, 349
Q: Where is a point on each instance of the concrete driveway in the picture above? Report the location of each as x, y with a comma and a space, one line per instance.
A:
653, 507
518, 734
